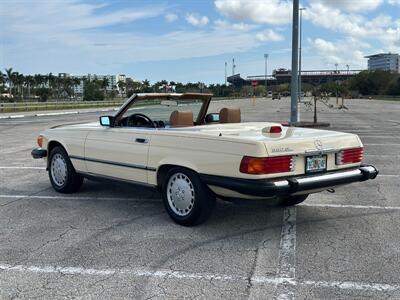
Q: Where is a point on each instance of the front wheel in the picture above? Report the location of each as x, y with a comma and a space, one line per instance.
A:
62, 174
293, 200
187, 199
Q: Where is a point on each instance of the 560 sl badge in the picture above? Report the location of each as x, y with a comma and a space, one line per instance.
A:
282, 149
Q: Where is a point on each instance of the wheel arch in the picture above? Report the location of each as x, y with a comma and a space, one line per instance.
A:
163, 169
50, 146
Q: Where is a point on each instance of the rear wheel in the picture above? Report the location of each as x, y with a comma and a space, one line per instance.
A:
293, 200
62, 174
187, 199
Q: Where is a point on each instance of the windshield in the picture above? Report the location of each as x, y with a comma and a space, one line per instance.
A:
160, 110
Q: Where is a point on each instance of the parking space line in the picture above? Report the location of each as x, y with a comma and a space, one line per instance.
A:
80, 198
350, 206
169, 274
287, 254
389, 144
24, 168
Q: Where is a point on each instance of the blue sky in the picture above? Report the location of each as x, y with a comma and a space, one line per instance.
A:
190, 40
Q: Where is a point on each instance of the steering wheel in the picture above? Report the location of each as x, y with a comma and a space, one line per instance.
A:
147, 121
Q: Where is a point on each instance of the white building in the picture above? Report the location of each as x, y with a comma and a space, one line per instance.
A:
112, 82
384, 61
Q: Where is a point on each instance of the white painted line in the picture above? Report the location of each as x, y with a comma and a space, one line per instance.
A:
56, 113
350, 285
388, 175
24, 168
168, 274
142, 272
380, 136
391, 144
350, 206
79, 198
287, 254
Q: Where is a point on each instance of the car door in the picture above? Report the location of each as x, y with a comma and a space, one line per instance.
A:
118, 152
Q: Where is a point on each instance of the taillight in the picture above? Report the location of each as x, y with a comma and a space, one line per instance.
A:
266, 165
40, 140
275, 129
349, 156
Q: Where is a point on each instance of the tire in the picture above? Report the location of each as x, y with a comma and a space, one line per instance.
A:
62, 174
186, 198
293, 200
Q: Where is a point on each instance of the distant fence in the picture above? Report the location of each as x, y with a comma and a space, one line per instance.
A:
37, 106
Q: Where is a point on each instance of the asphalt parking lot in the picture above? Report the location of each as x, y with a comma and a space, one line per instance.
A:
116, 241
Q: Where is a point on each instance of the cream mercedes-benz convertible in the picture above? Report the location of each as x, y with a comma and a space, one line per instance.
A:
172, 142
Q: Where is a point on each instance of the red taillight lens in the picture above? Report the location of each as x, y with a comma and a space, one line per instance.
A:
350, 156
266, 165
275, 129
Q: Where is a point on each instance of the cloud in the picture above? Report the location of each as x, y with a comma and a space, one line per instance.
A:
382, 28
196, 20
225, 25
69, 15
269, 12
394, 2
351, 5
341, 52
171, 18
33, 40
269, 36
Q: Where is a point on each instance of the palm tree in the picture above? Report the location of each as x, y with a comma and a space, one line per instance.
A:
29, 82
104, 84
10, 79
2, 78
121, 86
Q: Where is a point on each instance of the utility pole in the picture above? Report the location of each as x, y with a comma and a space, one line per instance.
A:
295, 64
348, 69
301, 29
226, 64
266, 72
233, 66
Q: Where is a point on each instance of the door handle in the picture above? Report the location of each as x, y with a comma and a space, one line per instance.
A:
141, 140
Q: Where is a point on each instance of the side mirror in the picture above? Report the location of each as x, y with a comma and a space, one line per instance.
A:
212, 118
107, 121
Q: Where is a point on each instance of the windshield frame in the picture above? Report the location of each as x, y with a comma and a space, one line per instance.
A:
135, 98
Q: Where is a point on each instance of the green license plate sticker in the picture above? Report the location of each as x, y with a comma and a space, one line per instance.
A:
315, 163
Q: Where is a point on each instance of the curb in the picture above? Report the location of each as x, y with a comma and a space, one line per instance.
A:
55, 113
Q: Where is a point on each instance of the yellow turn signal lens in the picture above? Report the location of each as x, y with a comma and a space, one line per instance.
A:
40, 140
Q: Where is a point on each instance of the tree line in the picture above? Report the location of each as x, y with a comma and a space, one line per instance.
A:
17, 86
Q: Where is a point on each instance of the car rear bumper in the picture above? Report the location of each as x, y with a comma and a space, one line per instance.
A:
39, 153
291, 185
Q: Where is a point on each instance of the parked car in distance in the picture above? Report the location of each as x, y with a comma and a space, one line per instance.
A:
276, 95
171, 142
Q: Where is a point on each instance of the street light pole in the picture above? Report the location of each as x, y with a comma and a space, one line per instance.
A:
301, 27
266, 72
226, 64
295, 64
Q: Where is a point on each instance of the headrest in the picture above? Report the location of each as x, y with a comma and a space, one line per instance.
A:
229, 115
181, 119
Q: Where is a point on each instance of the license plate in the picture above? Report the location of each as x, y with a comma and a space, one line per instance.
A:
315, 163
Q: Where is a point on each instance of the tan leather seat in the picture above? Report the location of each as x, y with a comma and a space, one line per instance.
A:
229, 115
181, 119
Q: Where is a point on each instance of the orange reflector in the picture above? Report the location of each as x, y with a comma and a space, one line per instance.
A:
40, 140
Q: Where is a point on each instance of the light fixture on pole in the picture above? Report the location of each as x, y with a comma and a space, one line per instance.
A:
300, 29
295, 65
266, 72
233, 66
